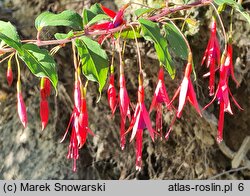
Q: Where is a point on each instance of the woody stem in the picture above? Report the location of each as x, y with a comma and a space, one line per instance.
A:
163, 13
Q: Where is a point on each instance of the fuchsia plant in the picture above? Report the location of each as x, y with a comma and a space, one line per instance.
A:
91, 64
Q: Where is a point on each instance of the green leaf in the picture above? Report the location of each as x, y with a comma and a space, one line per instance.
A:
96, 9
9, 30
9, 36
39, 62
94, 61
129, 34
176, 41
244, 14
66, 18
151, 32
139, 12
89, 14
238, 7
186, 1
228, 2
64, 35
98, 18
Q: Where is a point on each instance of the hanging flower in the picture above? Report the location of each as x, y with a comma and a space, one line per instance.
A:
124, 109
9, 75
211, 55
139, 122
79, 123
186, 91
222, 94
44, 105
112, 94
83, 122
160, 97
21, 108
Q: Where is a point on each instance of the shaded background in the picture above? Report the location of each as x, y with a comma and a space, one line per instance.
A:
191, 151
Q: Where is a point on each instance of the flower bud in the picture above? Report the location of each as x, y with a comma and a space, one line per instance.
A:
21, 108
44, 113
9, 75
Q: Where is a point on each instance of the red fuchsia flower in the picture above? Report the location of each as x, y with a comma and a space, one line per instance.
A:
79, 123
186, 91
139, 122
9, 75
44, 105
83, 123
45, 88
160, 97
44, 113
212, 53
117, 19
222, 94
124, 109
112, 94
21, 108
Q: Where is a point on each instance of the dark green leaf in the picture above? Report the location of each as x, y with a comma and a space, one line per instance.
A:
151, 32
245, 15
66, 18
9, 36
236, 6
64, 35
39, 62
89, 14
139, 12
94, 61
96, 9
176, 41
